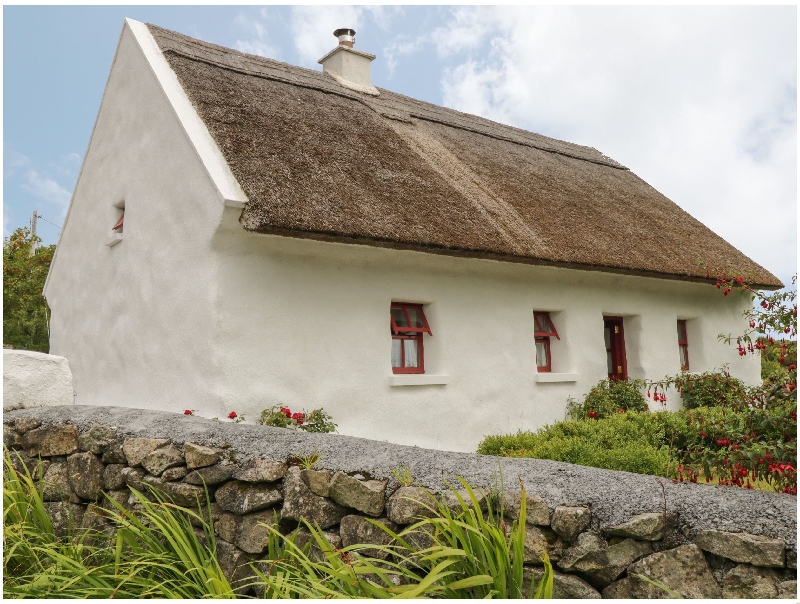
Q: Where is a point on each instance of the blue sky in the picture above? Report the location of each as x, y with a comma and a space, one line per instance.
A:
699, 102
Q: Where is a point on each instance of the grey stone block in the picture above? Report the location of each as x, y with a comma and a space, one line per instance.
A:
570, 521
743, 547
683, 570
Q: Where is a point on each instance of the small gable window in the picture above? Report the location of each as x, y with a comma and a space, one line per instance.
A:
543, 331
408, 325
117, 228
683, 345
115, 235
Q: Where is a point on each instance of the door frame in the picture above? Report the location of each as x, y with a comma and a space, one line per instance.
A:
618, 357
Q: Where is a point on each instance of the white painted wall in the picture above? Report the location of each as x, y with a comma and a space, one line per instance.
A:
35, 379
306, 324
135, 320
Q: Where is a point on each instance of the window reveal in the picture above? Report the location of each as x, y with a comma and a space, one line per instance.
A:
614, 336
408, 324
683, 345
542, 332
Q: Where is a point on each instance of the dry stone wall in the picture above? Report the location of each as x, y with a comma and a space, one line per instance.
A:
602, 530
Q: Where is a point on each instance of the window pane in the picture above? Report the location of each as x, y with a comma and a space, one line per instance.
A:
607, 336
397, 353
412, 353
682, 331
611, 368
399, 317
541, 353
684, 357
415, 317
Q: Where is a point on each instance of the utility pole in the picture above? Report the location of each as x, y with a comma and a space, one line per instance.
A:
33, 232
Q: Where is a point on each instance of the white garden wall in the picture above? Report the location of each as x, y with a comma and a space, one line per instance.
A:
35, 379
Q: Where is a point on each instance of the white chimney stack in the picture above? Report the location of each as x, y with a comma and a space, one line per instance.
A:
347, 66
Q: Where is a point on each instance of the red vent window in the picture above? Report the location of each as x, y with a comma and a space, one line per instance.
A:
408, 323
543, 331
118, 226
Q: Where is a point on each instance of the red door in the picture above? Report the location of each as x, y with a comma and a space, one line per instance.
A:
615, 348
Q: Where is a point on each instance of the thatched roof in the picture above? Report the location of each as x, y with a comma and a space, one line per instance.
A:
320, 161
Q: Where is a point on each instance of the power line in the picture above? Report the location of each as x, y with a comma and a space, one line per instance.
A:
48, 222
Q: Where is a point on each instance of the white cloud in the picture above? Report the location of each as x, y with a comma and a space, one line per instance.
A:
392, 52
46, 189
256, 43
699, 102
68, 165
312, 27
13, 162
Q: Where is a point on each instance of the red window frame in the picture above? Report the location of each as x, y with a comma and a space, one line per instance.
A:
542, 332
118, 226
683, 344
407, 332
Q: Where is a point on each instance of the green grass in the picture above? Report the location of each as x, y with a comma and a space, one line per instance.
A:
155, 552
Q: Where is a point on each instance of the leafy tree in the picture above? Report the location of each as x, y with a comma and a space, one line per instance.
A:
26, 315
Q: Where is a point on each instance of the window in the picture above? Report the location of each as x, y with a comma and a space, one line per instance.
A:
683, 345
614, 336
117, 228
408, 324
543, 331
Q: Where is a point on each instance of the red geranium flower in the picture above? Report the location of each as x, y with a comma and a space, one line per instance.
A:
232, 415
187, 412
286, 411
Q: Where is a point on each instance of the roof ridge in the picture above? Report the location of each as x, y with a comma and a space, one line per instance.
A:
315, 80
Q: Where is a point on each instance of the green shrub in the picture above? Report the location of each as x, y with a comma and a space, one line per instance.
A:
632, 442
710, 389
609, 397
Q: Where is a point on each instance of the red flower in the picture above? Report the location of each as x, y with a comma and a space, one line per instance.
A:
232, 415
187, 412
593, 414
286, 411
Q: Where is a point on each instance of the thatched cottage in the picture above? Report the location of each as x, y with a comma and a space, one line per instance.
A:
246, 233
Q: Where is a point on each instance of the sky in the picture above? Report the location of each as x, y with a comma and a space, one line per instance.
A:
700, 102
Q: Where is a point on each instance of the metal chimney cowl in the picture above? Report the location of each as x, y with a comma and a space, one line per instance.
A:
349, 67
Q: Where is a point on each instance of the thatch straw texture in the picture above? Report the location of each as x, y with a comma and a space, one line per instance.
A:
321, 161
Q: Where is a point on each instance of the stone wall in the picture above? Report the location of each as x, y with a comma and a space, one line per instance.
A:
600, 528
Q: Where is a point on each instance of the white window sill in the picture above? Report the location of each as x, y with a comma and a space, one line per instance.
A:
114, 239
555, 377
418, 379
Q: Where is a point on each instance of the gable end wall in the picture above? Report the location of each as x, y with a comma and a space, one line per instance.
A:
133, 317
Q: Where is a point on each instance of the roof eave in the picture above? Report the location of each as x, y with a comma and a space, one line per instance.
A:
485, 255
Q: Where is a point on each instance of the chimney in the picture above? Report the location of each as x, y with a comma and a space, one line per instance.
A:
348, 66
347, 37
